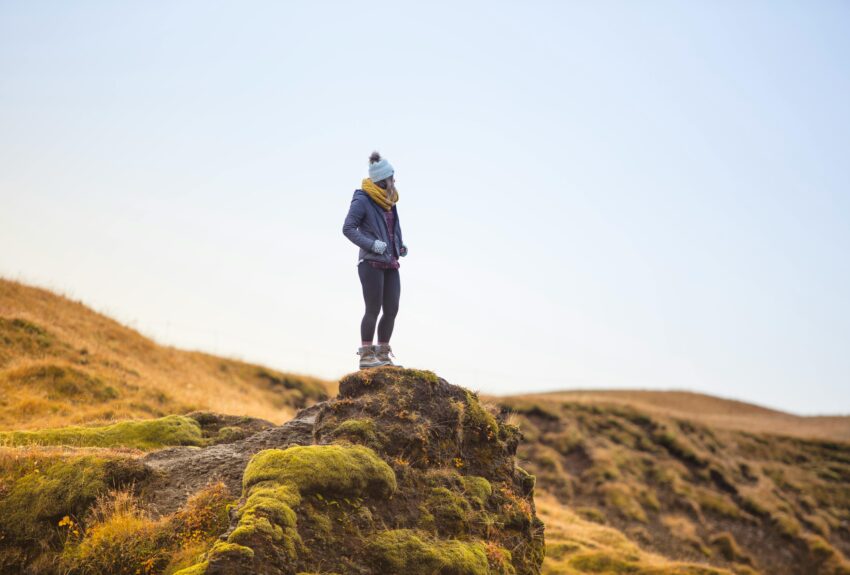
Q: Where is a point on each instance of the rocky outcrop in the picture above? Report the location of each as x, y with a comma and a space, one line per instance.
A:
182, 471
402, 472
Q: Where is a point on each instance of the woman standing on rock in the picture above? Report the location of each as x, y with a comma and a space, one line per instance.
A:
372, 224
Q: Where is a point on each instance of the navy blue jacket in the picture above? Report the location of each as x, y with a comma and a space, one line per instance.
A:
365, 223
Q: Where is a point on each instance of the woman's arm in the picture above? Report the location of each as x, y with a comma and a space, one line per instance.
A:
350, 228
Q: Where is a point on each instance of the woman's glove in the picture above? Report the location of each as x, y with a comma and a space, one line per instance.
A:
379, 247
403, 250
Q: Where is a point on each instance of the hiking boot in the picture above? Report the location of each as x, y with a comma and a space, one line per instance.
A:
383, 353
368, 358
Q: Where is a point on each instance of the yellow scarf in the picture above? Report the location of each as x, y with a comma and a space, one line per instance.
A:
379, 195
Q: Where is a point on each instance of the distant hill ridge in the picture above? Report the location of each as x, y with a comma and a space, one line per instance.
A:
711, 410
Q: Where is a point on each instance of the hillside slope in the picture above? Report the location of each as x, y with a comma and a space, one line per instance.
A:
627, 482
747, 502
707, 409
62, 363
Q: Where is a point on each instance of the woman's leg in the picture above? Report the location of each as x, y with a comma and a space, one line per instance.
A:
391, 296
372, 282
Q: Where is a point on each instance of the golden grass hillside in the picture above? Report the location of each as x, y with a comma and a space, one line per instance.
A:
62, 363
709, 410
730, 500
626, 482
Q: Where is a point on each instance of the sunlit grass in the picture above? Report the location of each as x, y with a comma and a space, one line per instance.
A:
62, 363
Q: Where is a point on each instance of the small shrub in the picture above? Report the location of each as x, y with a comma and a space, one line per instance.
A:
120, 541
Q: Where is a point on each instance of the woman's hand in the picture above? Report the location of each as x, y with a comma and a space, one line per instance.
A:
379, 247
403, 250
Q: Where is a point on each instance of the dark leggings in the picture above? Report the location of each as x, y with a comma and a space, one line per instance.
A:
381, 288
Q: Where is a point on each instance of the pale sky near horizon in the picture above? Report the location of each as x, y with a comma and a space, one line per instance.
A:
595, 194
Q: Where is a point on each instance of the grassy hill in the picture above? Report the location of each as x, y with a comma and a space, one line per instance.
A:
62, 363
709, 410
627, 482
679, 488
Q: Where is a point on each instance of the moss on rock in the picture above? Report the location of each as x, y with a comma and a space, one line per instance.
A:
221, 551
479, 419
409, 552
450, 510
139, 434
273, 485
357, 430
477, 488
322, 468
408, 474
454, 460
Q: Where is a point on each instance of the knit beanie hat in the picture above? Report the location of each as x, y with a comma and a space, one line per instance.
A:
379, 168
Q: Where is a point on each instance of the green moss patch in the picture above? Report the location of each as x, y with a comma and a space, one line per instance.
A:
451, 511
357, 430
323, 468
413, 553
479, 419
477, 488
273, 485
139, 434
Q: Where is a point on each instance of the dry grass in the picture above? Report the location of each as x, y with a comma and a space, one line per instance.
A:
639, 482
117, 536
62, 363
689, 491
575, 545
714, 411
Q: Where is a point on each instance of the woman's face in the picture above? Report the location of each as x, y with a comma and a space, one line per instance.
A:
387, 183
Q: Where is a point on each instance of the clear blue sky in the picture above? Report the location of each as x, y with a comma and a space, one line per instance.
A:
595, 194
